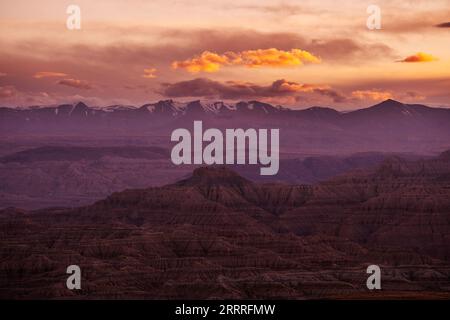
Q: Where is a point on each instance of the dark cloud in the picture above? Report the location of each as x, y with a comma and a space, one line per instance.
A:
207, 88
202, 87
336, 49
332, 94
75, 83
178, 44
443, 25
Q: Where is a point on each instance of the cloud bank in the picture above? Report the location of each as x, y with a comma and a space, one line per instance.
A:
212, 62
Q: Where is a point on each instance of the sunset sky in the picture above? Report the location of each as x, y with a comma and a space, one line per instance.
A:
295, 53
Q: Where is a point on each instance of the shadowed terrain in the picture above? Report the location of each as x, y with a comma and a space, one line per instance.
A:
216, 234
74, 175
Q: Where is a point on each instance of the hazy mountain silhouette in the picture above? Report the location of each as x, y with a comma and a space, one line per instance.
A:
388, 126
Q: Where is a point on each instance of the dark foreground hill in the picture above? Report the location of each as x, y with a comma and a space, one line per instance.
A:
218, 235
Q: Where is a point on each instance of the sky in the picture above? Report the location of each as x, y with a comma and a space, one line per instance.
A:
296, 53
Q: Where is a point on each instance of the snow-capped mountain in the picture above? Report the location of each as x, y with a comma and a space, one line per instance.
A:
383, 122
387, 109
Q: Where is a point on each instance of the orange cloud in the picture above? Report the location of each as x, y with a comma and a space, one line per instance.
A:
372, 95
212, 62
149, 73
48, 74
75, 83
419, 57
274, 58
207, 62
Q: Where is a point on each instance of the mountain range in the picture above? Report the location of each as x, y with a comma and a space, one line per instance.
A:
170, 108
389, 126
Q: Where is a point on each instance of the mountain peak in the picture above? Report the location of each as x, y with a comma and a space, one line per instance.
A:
81, 105
389, 103
80, 109
321, 111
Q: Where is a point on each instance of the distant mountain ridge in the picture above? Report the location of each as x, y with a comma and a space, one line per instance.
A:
174, 108
389, 112
389, 126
